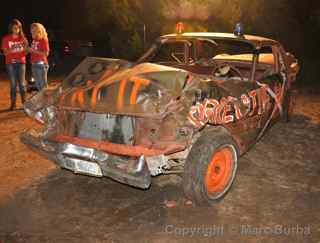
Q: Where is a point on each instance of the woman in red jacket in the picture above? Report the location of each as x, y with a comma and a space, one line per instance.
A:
39, 51
14, 46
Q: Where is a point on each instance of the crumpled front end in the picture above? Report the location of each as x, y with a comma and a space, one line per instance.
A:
123, 141
91, 161
125, 148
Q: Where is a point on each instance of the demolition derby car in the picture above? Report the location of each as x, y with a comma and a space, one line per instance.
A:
192, 104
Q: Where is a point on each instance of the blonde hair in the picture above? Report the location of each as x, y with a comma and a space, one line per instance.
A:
42, 30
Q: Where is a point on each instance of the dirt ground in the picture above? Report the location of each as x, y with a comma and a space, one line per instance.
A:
275, 198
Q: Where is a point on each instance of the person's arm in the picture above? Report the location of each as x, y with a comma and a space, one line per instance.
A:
40, 52
47, 47
6, 51
5, 47
26, 45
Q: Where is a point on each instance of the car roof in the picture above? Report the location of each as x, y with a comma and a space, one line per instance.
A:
252, 39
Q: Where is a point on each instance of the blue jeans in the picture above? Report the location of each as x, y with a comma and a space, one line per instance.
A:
17, 74
40, 73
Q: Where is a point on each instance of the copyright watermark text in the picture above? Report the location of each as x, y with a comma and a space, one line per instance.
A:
243, 230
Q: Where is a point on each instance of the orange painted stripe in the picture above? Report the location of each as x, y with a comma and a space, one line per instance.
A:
74, 98
98, 86
81, 97
122, 89
120, 149
78, 97
141, 80
134, 92
137, 83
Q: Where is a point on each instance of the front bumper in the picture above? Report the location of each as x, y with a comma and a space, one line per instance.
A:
83, 160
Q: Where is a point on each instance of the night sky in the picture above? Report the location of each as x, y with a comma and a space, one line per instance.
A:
46, 12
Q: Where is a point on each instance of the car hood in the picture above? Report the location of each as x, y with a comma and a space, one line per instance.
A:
145, 89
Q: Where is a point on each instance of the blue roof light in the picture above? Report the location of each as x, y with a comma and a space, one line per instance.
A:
238, 30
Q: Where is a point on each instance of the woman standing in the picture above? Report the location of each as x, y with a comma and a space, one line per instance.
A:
14, 46
39, 51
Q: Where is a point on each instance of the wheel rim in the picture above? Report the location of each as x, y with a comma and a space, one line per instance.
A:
219, 170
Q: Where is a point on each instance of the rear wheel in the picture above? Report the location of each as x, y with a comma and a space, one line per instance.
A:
210, 168
288, 105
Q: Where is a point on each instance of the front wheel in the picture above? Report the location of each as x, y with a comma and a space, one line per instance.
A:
210, 168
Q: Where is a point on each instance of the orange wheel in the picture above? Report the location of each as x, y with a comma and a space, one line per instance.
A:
219, 170
211, 167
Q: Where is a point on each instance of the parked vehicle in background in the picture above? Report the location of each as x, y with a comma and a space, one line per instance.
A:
59, 50
192, 104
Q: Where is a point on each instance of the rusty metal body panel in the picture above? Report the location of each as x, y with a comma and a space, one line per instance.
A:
139, 119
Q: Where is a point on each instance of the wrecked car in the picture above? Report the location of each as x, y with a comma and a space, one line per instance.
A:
191, 105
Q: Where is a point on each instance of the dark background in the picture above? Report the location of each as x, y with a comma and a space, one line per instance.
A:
124, 28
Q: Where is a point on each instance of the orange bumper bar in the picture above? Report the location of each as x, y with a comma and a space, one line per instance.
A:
119, 149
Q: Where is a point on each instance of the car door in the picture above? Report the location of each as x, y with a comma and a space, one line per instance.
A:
260, 95
273, 81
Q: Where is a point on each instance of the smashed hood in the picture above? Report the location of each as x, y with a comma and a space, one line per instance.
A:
115, 86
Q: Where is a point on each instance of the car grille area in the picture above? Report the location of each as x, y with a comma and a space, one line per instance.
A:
102, 127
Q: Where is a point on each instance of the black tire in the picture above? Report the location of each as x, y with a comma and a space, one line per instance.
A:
288, 104
200, 159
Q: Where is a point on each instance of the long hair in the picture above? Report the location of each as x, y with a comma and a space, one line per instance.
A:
42, 30
17, 23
